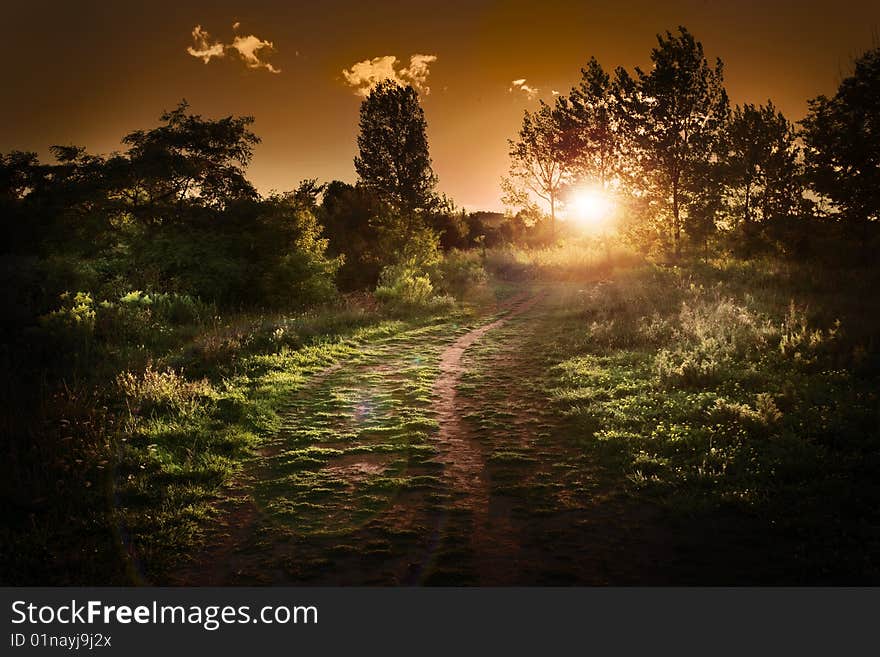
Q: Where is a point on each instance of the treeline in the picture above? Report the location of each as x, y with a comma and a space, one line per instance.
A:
687, 169
174, 213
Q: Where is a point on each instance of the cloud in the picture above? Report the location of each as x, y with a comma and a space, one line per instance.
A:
363, 76
248, 48
520, 85
201, 47
417, 71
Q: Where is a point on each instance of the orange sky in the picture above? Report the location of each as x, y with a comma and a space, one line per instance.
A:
88, 72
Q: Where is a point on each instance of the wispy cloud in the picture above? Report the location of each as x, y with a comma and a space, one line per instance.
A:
248, 48
520, 85
418, 70
363, 76
203, 48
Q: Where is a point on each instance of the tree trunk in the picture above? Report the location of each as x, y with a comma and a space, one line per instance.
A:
747, 225
552, 217
676, 223
748, 216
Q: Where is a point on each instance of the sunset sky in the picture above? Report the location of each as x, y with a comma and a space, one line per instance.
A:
87, 73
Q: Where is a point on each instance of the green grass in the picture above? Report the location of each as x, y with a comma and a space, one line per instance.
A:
709, 423
728, 400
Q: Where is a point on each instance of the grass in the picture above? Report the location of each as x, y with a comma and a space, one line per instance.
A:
734, 402
715, 422
145, 456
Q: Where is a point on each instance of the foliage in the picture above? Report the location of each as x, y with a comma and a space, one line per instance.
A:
761, 171
393, 159
590, 125
674, 115
538, 162
841, 148
459, 272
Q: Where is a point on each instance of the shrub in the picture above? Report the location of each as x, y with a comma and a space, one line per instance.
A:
799, 341
155, 391
459, 272
691, 365
403, 287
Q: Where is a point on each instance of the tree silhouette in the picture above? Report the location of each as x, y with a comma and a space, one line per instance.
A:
186, 161
393, 159
760, 163
540, 162
590, 126
674, 117
842, 149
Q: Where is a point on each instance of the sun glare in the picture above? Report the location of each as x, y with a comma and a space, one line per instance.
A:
591, 207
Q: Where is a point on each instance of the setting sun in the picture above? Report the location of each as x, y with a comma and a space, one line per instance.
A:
591, 207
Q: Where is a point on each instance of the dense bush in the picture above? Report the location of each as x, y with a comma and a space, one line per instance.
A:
405, 288
459, 272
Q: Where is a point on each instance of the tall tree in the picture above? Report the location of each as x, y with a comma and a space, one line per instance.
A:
760, 162
393, 159
539, 162
590, 126
186, 161
842, 148
674, 115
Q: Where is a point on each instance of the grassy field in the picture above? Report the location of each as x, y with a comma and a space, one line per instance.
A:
709, 423
741, 399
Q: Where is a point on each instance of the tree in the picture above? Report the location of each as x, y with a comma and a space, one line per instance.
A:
539, 162
589, 126
186, 161
842, 149
348, 214
674, 115
760, 163
393, 159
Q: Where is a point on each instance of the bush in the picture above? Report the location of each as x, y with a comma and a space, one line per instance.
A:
403, 287
70, 329
459, 272
155, 391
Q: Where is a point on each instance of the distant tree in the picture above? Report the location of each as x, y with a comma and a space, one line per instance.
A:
348, 214
185, 161
842, 143
308, 192
540, 164
20, 175
759, 158
674, 115
450, 224
18, 171
393, 159
589, 126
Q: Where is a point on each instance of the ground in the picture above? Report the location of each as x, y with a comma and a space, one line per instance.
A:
439, 456
652, 425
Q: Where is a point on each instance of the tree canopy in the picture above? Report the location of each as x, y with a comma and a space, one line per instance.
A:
842, 149
393, 160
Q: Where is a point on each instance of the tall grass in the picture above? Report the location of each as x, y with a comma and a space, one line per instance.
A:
572, 260
744, 389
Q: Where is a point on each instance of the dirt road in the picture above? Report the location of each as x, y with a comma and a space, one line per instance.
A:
435, 457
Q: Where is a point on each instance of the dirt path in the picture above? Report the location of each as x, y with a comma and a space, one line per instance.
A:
433, 457
492, 541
